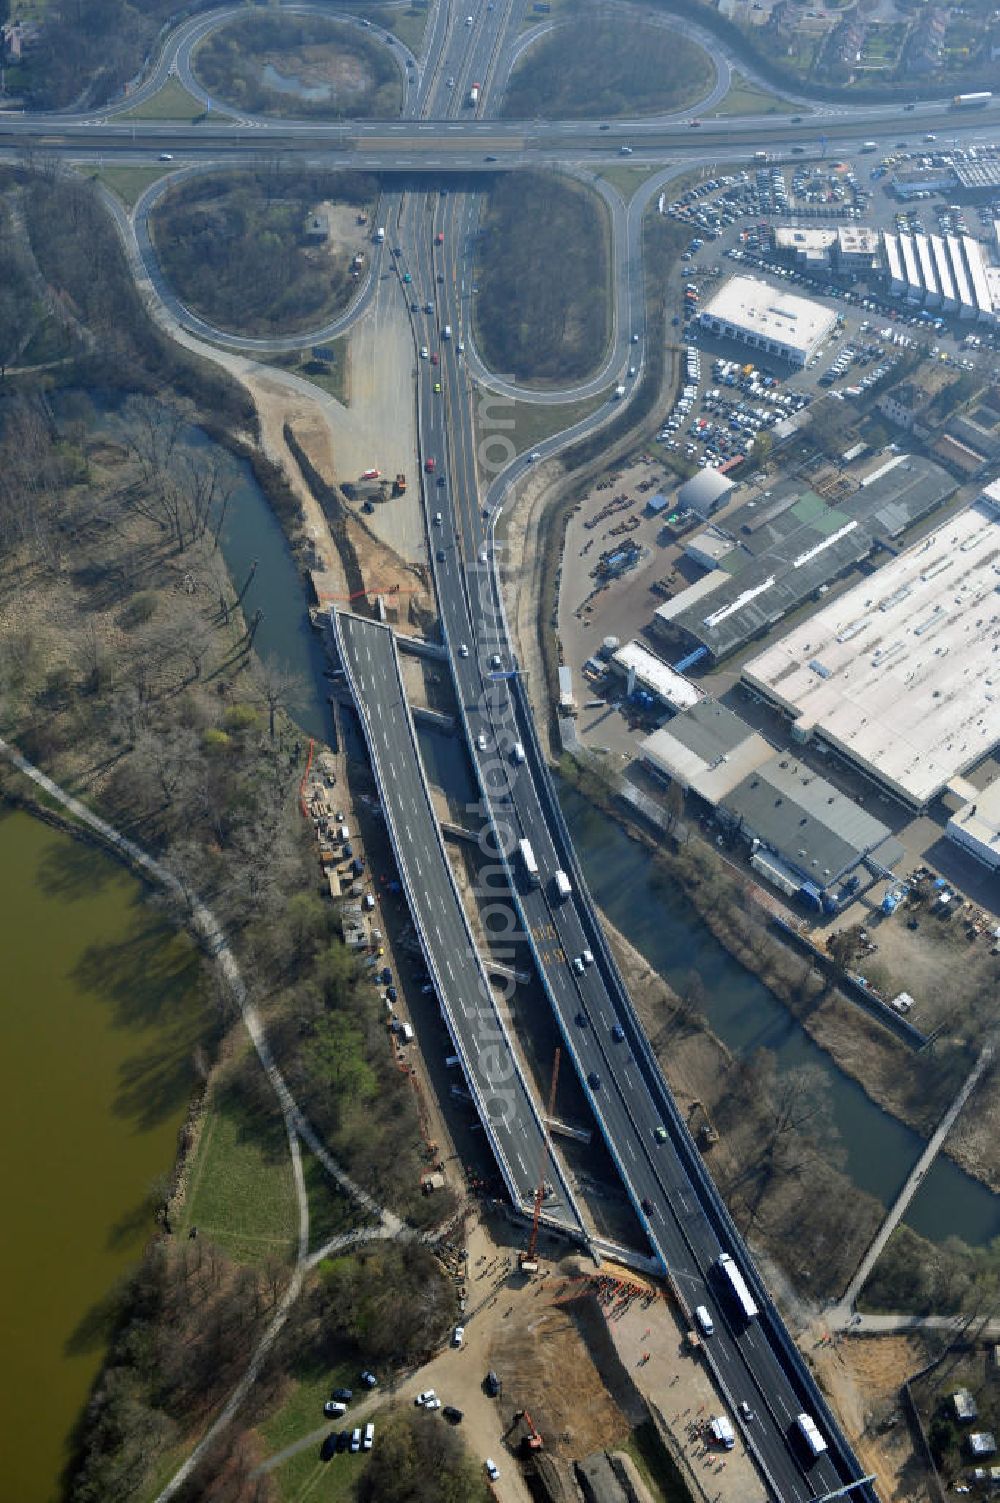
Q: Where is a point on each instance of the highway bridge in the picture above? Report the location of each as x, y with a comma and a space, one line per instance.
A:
684, 1220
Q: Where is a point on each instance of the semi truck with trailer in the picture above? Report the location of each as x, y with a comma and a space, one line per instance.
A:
736, 1286
528, 862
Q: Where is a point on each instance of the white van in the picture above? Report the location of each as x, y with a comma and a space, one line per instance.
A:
517, 753
705, 1320
369, 1439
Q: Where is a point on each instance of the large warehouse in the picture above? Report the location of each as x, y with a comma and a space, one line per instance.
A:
767, 319
803, 836
790, 543
901, 675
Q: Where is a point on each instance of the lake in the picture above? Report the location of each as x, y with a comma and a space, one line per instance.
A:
99, 1023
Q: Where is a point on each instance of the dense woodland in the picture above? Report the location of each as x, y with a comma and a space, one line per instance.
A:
530, 324
232, 245
607, 65
128, 670
89, 49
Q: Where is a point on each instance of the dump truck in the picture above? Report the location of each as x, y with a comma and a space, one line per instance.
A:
399, 485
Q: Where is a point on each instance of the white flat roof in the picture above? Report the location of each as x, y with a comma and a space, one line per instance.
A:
902, 673
653, 673
755, 307
977, 824
806, 241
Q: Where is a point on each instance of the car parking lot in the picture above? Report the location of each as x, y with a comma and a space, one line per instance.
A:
726, 399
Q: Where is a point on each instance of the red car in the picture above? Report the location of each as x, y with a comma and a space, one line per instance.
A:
429, 466
434, 359
439, 238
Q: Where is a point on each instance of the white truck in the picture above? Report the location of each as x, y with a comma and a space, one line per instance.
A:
474, 96
808, 1432
562, 885
528, 862
619, 392
380, 235
446, 332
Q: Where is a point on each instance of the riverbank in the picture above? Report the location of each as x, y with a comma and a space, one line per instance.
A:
914, 1089
93, 974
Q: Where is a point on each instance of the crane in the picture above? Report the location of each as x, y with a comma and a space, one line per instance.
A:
527, 1261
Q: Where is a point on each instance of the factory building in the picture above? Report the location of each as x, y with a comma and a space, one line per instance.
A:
976, 825
650, 681
767, 319
857, 248
943, 269
789, 545
802, 836
897, 676
704, 493
930, 291
893, 264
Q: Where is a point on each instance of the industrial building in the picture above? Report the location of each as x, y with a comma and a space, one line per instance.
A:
771, 321
976, 825
789, 545
647, 676
704, 493
802, 836
900, 676
706, 750
805, 837
947, 273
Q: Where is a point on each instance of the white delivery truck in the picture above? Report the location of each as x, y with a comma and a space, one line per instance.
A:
562, 885
528, 862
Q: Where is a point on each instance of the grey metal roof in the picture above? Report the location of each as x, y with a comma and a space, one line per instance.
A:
703, 490
709, 730
792, 542
817, 830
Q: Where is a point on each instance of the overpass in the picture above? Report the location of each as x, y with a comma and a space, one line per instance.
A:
492, 1070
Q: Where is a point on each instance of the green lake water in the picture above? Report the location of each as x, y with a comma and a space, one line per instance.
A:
99, 1021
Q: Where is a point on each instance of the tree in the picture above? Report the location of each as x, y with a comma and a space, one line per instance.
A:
843, 946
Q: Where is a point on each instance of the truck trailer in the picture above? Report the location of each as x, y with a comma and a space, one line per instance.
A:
528, 862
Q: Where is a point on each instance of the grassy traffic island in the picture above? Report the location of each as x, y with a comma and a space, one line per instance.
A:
300, 65
543, 308
265, 252
608, 66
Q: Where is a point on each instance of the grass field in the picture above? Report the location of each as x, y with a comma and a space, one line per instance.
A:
172, 102
602, 67
240, 1192
332, 377
330, 1212
533, 423
531, 324
129, 182
305, 1476
627, 179
745, 98
655, 1465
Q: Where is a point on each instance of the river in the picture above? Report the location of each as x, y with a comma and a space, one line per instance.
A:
98, 1029
653, 915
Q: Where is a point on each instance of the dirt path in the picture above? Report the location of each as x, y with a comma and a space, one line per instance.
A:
212, 938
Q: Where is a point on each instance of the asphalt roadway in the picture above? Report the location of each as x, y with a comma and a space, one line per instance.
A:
464, 993
672, 1195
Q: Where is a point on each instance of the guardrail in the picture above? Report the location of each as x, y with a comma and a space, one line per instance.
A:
427, 949
725, 1227
711, 1201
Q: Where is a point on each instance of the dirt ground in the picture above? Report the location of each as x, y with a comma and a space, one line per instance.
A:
346, 237
862, 1377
